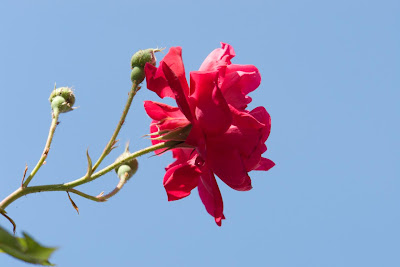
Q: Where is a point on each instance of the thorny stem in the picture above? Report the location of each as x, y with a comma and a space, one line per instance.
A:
22, 191
89, 176
110, 144
46, 149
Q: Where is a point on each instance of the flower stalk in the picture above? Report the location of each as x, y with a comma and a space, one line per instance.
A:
54, 122
112, 142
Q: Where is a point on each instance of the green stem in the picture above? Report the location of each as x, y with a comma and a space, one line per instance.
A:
79, 193
110, 144
22, 191
46, 149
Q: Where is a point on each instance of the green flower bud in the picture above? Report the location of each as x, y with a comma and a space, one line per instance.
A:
139, 60
137, 74
62, 99
141, 57
127, 169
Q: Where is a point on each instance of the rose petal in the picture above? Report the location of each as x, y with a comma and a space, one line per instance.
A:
246, 135
218, 58
247, 77
159, 111
211, 110
196, 137
264, 165
182, 155
179, 91
236, 81
156, 80
180, 180
211, 196
228, 165
244, 119
261, 114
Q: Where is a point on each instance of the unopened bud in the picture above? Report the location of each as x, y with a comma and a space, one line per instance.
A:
139, 60
137, 74
127, 169
62, 99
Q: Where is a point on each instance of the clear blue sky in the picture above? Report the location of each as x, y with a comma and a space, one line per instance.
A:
330, 80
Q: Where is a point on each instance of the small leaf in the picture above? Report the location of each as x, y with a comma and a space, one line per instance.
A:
25, 249
73, 203
90, 165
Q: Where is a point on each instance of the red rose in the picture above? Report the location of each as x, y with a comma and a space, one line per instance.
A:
225, 139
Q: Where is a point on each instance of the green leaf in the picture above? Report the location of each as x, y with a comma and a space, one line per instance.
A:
25, 249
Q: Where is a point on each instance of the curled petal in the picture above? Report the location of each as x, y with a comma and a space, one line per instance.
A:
211, 110
252, 160
247, 77
228, 165
254, 126
218, 58
236, 81
246, 135
261, 114
178, 89
156, 80
254, 119
182, 155
264, 165
211, 196
159, 111
180, 180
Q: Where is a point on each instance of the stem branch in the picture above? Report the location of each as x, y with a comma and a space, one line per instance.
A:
22, 191
46, 149
110, 144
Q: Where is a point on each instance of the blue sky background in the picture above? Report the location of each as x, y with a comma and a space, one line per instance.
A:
330, 73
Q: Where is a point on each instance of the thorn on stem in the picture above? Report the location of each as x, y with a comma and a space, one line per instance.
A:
23, 177
73, 203
113, 146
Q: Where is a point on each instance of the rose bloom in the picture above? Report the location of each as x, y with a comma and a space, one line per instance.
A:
225, 139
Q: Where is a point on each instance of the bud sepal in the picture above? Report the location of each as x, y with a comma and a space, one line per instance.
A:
127, 169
